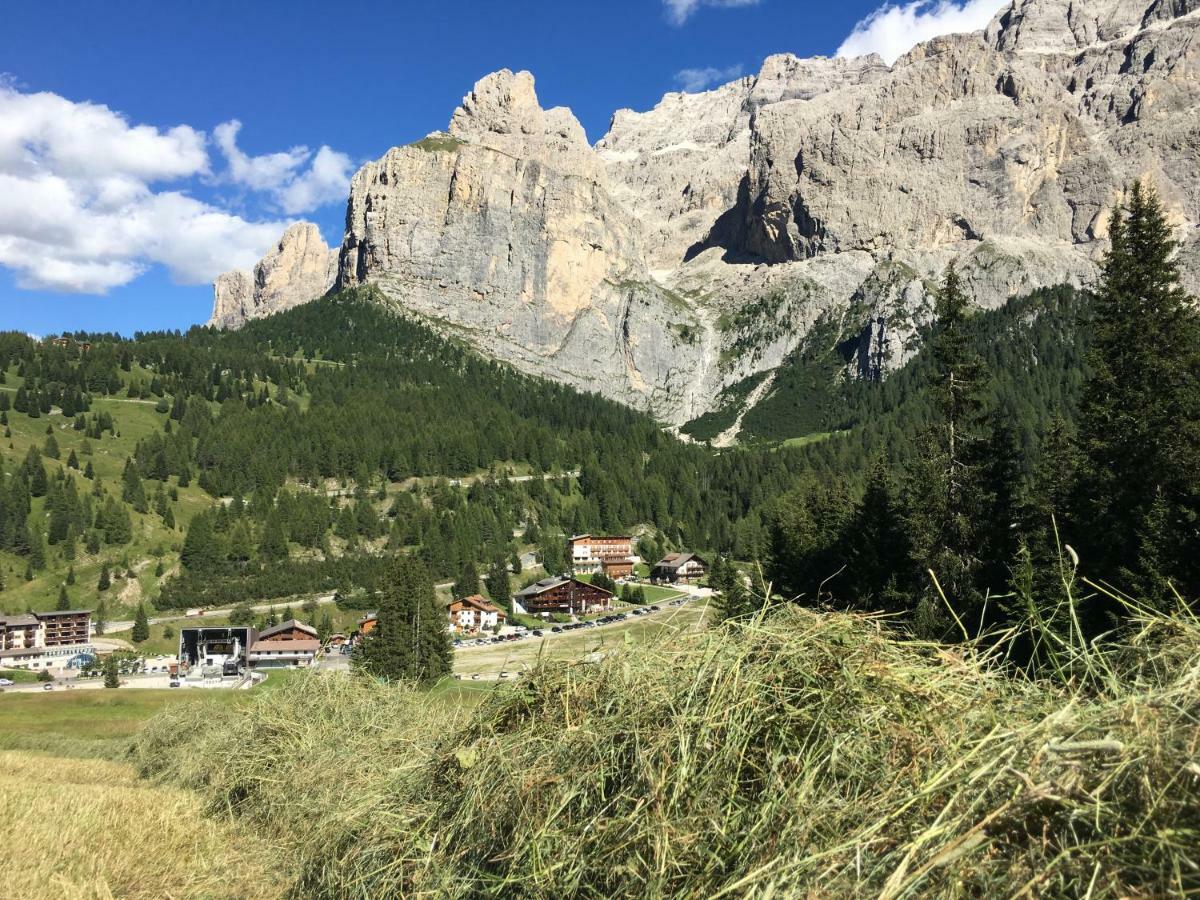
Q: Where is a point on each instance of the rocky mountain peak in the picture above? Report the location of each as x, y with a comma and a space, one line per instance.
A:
503, 114
300, 268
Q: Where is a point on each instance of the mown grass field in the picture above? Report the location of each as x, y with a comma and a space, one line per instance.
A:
90, 830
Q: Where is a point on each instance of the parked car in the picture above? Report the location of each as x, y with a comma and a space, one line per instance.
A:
47, 686
537, 632
557, 629
175, 682
5, 682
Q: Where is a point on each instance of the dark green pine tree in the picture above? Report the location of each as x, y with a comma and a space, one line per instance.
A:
944, 491
498, 585
878, 565
64, 599
411, 641
112, 677
734, 600
100, 616
1136, 502
141, 625
467, 583
105, 581
132, 491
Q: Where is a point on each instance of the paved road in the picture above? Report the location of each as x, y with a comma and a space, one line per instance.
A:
262, 607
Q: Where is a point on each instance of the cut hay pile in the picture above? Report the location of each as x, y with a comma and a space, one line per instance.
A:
812, 754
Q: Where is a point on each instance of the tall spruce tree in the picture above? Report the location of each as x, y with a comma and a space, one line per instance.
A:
499, 588
141, 625
467, 583
410, 641
944, 490
1136, 501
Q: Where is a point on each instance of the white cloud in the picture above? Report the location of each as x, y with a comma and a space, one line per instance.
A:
679, 11
693, 80
78, 208
891, 30
295, 190
260, 173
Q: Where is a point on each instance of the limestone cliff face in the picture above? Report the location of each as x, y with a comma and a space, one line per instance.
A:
504, 229
699, 242
300, 268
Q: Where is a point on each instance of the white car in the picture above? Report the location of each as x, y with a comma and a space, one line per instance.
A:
5, 682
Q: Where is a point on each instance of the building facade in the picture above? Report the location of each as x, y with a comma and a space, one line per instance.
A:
589, 552
45, 640
473, 614
567, 596
283, 653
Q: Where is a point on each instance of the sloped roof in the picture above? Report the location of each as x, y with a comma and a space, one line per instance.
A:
675, 560
477, 601
289, 625
540, 587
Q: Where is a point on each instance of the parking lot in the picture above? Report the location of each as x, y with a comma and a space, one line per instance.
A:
508, 656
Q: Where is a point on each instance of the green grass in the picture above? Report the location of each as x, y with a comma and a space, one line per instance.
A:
441, 143
134, 420
100, 723
18, 676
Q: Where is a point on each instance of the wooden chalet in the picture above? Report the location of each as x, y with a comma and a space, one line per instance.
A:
679, 568
567, 596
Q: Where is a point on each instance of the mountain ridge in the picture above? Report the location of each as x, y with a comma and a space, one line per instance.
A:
696, 244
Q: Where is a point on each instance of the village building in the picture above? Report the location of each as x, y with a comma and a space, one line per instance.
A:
473, 614
45, 640
567, 596
289, 644
337, 639
679, 568
589, 552
367, 623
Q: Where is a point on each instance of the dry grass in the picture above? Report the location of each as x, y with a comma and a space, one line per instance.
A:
89, 830
810, 754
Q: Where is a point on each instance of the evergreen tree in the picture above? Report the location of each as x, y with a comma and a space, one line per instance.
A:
72, 461
112, 677
105, 581
410, 640
878, 564
945, 494
1136, 501
467, 583
498, 585
64, 600
141, 625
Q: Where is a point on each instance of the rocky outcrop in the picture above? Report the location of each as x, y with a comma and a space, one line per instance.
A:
698, 243
300, 268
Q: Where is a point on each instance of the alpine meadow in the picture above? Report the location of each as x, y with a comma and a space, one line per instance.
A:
794, 492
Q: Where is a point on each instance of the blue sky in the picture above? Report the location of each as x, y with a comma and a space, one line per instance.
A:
126, 182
